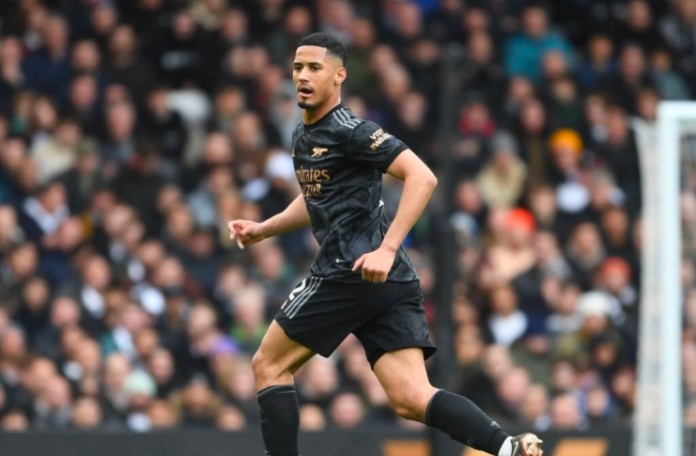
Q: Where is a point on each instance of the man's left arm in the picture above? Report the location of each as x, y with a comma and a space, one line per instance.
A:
419, 184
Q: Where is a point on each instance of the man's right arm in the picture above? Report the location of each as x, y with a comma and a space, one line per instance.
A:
246, 232
294, 217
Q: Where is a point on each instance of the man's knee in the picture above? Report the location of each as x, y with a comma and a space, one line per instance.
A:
278, 358
411, 402
260, 365
267, 371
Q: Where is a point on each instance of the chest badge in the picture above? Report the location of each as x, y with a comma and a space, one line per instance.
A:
317, 152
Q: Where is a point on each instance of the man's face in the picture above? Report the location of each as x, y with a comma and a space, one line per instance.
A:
535, 23
317, 76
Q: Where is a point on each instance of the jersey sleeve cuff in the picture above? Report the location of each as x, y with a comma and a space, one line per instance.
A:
384, 166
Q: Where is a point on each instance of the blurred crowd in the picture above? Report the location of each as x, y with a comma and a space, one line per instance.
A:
132, 131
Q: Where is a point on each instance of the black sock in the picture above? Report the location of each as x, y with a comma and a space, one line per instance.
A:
462, 420
280, 420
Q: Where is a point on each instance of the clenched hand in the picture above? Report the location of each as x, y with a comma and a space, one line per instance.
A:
376, 265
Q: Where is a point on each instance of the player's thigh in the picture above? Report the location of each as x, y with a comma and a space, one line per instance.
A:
278, 356
404, 378
402, 367
397, 343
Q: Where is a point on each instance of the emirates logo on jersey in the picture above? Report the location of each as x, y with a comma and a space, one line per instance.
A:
311, 180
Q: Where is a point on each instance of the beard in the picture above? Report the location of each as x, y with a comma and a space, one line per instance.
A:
304, 104
314, 103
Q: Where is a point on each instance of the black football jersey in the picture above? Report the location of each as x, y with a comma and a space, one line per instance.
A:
339, 161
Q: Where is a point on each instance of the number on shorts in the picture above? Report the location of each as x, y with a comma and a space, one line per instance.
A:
301, 287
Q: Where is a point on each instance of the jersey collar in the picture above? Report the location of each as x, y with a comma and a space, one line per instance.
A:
323, 118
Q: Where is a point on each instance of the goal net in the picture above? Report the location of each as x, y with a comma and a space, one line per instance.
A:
665, 418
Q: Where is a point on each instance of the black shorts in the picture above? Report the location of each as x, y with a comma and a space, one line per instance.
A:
320, 313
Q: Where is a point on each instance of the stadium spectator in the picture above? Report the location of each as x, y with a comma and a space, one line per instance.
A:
525, 52
15, 421
312, 418
52, 409
230, 418
198, 405
86, 415
502, 179
599, 63
535, 407
346, 411
670, 84
161, 415
566, 414
677, 28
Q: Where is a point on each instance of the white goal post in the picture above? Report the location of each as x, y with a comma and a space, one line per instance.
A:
658, 419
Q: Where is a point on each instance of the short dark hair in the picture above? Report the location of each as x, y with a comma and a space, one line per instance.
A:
332, 44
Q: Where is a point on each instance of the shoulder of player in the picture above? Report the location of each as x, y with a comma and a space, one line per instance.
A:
351, 128
367, 133
344, 123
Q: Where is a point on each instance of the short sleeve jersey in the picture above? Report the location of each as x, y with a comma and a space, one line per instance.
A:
339, 161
